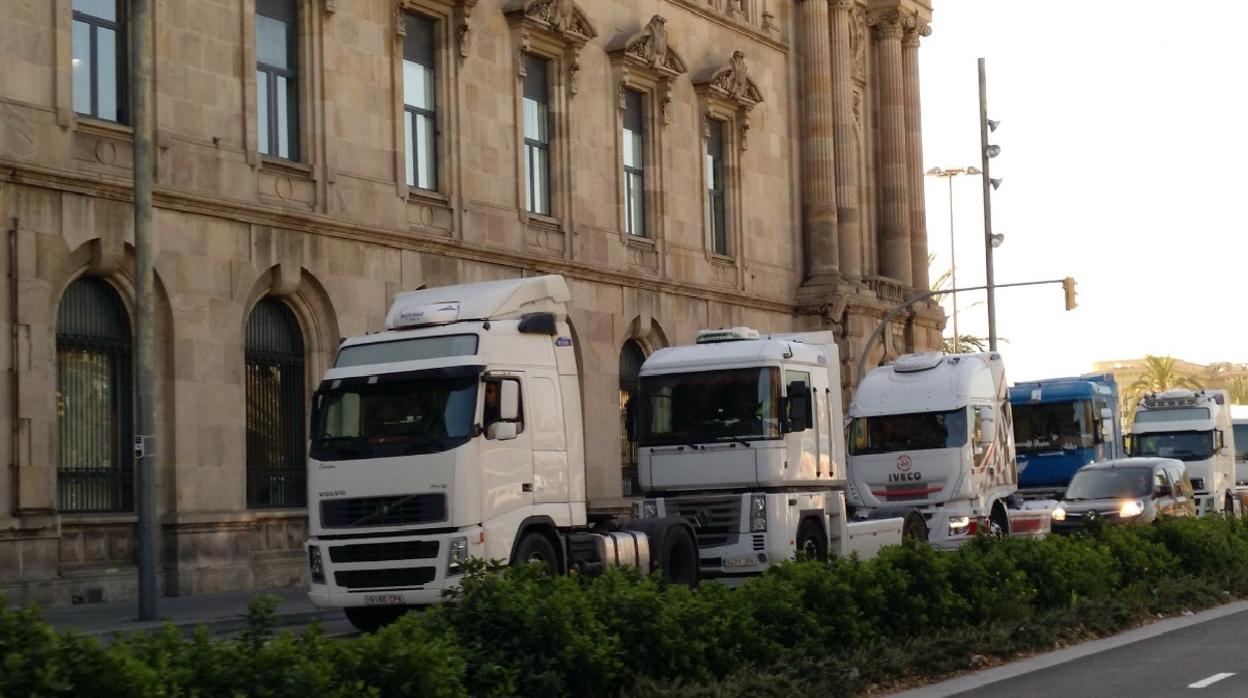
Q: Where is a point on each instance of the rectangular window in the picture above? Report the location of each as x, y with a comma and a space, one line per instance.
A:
634, 164
277, 89
536, 135
419, 110
715, 189
99, 59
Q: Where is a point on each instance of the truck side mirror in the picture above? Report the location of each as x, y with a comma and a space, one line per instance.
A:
988, 426
1127, 443
509, 401
1219, 440
501, 431
799, 404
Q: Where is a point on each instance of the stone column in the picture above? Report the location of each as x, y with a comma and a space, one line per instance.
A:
848, 214
818, 147
894, 181
914, 154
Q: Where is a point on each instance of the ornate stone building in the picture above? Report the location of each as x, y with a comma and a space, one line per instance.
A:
684, 163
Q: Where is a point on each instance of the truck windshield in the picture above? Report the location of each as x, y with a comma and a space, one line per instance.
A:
393, 415
1183, 445
1052, 426
1110, 483
907, 432
705, 406
1241, 441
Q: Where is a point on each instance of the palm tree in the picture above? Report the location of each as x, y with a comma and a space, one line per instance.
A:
966, 343
1238, 388
1159, 376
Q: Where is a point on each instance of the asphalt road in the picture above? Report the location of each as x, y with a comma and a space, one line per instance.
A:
1202, 655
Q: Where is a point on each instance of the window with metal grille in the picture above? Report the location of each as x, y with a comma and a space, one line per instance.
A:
536, 135
94, 417
275, 407
634, 164
419, 112
99, 59
277, 78
716, 189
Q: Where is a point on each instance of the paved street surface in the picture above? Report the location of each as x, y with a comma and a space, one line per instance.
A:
223, 614
1200, 655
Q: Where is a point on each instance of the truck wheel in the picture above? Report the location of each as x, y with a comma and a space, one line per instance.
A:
811, 542
1229, 507
914, 527
677, 557
999, 521
535, 547
371, 618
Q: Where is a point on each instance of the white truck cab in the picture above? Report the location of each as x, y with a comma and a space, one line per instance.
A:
1194, 427
931, 439
742, 435
1239, 431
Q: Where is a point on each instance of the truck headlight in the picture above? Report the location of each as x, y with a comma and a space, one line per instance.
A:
456, 555
961, 526
1130, 509
1058, 514
316, 565
758, 513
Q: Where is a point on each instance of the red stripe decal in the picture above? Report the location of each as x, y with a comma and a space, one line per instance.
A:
906, 493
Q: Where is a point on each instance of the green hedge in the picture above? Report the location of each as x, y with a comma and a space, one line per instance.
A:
803, 628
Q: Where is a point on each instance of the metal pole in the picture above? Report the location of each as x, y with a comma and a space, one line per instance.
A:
983, 152
953, 267
141, 57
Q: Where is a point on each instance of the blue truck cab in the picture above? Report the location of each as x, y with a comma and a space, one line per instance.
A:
1061, 425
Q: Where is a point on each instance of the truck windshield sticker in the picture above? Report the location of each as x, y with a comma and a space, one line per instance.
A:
415, 349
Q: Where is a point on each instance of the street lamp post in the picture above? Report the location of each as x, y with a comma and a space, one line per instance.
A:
991, 240
949, 173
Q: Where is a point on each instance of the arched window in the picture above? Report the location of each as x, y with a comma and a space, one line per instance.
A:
631, 358
94, 414
275, 407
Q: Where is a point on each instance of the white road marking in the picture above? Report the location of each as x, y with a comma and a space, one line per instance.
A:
1204, 683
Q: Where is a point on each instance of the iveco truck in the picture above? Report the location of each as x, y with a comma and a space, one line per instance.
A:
931, 440
1061, 425
742, 435
1194, 427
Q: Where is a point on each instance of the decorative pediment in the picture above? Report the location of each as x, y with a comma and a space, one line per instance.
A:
562, 17
649, 48
731, 82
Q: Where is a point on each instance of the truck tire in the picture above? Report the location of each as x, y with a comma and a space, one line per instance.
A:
999, 521
811, 541
536, 547
1228, 507
371, 618
914, 526
673, 548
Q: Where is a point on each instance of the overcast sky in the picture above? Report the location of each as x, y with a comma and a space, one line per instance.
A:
1123, 154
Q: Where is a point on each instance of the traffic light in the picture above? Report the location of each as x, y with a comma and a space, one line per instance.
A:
1068, 285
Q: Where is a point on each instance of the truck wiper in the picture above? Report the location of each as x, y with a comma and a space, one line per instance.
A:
738, 439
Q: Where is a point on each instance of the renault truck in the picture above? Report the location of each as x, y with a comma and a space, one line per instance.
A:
1193, 426
931, 440
742, 435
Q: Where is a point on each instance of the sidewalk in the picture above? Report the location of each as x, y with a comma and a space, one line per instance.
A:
222, 613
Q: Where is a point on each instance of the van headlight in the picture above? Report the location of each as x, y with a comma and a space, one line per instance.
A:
1133, 508
1058, 514
457, 555
758, 513
316, 565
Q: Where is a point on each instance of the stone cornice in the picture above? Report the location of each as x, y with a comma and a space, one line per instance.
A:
329, 226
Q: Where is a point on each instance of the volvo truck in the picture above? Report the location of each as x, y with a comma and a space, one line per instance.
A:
1194, 427
1061, 425
931, 440
742, 435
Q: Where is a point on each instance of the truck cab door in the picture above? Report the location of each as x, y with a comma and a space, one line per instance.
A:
801, 439
506, 451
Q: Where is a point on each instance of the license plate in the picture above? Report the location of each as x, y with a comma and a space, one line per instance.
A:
383, 599
747, 561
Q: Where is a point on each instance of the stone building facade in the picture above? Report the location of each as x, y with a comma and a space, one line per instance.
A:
684, 163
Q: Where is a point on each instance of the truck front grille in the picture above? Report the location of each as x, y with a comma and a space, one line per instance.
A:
385, 579
396, 510
716, 520
380, 552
